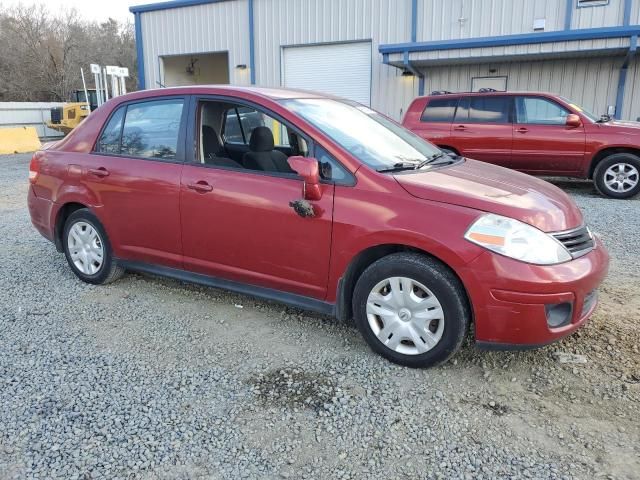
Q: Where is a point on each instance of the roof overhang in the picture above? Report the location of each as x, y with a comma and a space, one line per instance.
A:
546, 45
152, 7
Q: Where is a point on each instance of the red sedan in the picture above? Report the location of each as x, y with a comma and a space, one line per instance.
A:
323, 204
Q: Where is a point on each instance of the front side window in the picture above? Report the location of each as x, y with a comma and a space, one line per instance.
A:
367, 135
489, 109
330, 168
151, 129
541, 111
109, 141
440, 110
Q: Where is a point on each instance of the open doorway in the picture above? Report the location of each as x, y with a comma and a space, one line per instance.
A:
195, 69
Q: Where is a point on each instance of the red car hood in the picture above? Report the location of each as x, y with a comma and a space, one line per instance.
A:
497, 190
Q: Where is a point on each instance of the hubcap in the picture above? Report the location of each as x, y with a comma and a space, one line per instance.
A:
85, 248
405, 315
621, 177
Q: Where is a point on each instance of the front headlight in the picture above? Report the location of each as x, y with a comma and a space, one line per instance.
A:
517, 240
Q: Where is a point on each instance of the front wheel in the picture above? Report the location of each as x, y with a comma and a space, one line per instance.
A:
411, 309
618, 175
88, 250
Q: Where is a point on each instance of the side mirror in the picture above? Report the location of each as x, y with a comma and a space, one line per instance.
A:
309, 170
573, 120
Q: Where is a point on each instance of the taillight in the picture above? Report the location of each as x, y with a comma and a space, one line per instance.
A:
34, 167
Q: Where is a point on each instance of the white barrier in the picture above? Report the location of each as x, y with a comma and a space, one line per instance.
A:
29, 114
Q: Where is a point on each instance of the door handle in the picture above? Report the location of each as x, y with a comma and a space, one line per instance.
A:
522, 130
201, 186
460, 128
99, 172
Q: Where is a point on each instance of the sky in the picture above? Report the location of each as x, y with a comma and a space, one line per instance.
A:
98, 10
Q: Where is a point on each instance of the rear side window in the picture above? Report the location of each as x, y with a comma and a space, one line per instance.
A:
109, 141
478, 109
151, 129
440, 110
541, 111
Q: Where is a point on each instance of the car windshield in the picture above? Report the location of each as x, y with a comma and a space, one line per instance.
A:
577, 107
371, 137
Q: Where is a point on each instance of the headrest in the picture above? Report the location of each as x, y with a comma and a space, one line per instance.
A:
261, 140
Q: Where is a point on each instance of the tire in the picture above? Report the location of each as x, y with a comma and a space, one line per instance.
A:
448, 151
82, 249
443, 309
606, 176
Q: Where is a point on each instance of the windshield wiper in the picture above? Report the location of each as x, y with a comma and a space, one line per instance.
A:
430, 160
398, 167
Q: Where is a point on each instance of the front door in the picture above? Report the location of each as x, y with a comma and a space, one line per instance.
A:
542, 142
134, 173
237, 223
482, 129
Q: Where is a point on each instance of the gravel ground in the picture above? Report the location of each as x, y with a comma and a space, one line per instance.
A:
154, 379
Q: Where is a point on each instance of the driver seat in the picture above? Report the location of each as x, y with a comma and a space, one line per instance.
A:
261, 154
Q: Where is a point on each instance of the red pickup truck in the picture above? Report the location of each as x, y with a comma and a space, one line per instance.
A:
537, 133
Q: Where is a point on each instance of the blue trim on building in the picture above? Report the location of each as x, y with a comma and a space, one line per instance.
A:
252, 52
518, 39
139, 51
626, 20
568, 14
622, 78
414, 20
152, 7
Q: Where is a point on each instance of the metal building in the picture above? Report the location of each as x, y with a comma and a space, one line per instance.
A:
385, 52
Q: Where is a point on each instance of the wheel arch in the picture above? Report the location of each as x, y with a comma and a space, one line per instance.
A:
363, 259
448, 147
61, 218
605, 152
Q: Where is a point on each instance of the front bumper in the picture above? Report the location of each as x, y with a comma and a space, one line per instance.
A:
510, 298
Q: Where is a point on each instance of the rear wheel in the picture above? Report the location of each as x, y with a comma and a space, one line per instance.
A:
411, 309
618, 175
88, 250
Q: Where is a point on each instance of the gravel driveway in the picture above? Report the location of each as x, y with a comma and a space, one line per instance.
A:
154, 379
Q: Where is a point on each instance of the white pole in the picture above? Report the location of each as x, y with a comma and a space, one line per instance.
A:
106, 85
96, 77
84, 85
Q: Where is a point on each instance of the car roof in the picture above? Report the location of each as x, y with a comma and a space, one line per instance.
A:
234, 90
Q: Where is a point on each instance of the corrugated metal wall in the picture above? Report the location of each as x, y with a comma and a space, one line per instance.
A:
631, 107
224, 26
213, 27
444, 20
599, 16
281, 23
591, 83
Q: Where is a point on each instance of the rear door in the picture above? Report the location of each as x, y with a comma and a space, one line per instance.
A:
482, 128
434, 122
135, 173
542, 142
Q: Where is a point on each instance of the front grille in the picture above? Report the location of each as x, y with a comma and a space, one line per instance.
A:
578, 241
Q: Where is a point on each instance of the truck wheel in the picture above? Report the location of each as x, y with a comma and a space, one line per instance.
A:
88, 250
411, 309
618, 175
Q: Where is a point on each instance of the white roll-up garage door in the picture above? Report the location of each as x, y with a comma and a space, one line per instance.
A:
342, 69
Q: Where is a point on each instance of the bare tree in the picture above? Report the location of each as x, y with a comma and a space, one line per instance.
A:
42, 53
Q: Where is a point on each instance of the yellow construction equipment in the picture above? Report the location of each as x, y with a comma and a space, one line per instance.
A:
19, 140
66, 118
